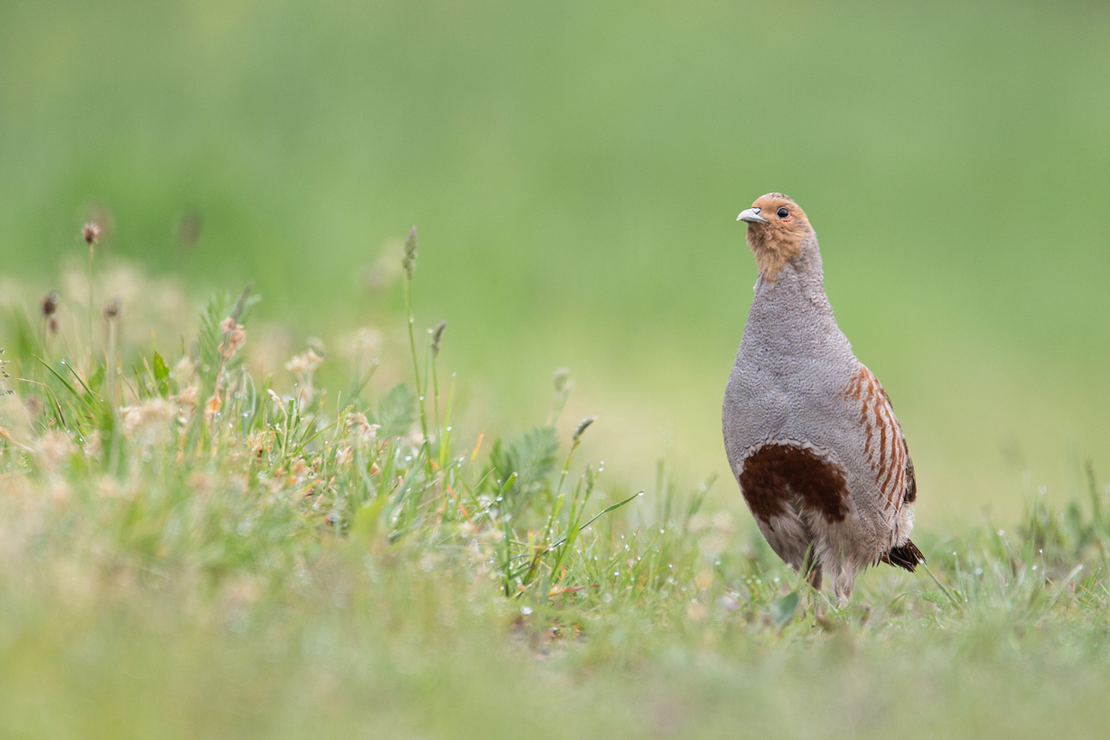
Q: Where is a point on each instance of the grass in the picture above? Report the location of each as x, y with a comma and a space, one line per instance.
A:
190, 547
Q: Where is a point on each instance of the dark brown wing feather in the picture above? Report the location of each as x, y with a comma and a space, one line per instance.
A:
907, 556
911, 481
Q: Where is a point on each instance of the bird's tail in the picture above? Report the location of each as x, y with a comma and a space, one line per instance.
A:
905, 556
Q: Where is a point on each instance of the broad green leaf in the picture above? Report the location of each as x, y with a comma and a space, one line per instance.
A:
161, 374
783, 610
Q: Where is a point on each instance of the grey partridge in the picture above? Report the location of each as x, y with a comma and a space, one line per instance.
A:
810, 433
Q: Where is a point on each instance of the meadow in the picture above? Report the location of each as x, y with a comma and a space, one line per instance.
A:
330, 558
192, 551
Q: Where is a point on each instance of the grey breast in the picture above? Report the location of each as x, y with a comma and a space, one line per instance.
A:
791, 369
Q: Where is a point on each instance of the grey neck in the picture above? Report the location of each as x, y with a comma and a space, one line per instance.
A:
792, 311
802, 277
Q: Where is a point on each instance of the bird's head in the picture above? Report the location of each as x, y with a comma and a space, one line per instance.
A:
777, 227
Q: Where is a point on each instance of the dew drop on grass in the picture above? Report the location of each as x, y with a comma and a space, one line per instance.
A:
526, 610
978, 571
1034, 567
1002, 533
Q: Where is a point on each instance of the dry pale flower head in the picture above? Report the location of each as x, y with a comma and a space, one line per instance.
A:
359, 427
149, 423
304, 364
52, 448
186, 403
184, 371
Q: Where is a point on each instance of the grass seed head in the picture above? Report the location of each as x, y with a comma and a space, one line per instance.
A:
91, 233
583, 426
409, 260
112, 309
50, 304
437, 336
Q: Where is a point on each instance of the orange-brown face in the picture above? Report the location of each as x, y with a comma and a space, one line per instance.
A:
776, 230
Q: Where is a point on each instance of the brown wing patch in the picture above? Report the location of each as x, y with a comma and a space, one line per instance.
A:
777, 473
889, 458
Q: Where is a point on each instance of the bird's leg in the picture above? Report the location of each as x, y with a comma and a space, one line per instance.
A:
842, 589
813, 567
813, 575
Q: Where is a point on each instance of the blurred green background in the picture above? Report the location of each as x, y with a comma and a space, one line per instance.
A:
575, 170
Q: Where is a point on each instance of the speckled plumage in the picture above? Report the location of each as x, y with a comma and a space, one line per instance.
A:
810, 433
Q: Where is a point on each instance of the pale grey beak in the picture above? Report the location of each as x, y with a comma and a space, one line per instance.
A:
752, 216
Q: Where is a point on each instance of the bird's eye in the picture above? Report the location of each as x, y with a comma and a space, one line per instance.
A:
783, 213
